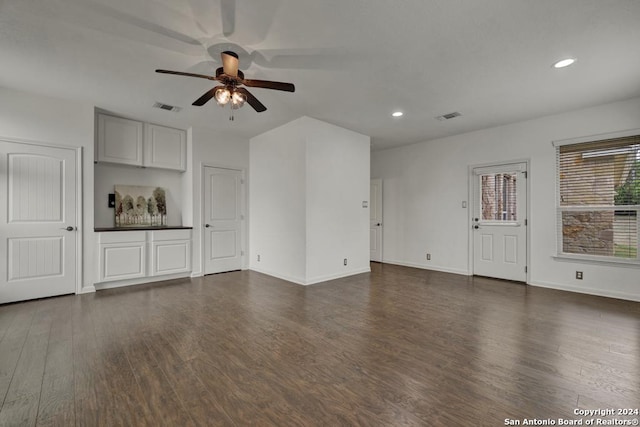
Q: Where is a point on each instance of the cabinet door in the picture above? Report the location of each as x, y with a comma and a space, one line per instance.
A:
170, 257
119, 140
165, 148
119, 261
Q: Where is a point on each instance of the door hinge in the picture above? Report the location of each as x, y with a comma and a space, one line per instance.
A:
526, 174
526, 222
525, 268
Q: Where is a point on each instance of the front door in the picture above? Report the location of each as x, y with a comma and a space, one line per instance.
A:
499, 221
37, 221
222, 220
375, 220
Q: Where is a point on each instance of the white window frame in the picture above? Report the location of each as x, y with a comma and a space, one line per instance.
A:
602, 259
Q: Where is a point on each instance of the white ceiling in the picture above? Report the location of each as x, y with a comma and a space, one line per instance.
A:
353, 61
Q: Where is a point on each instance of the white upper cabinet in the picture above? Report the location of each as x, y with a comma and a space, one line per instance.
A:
131, 142
165, 147
119, 140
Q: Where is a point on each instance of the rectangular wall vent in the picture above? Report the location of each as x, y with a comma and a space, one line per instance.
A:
449, 116
167, 107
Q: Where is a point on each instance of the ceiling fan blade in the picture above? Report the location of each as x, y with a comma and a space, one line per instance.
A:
252, 100
180, 73
228, 15
287, 87
206, 97
230, 63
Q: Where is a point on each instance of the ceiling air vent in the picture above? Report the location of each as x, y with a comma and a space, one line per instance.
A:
167, 107
449, 116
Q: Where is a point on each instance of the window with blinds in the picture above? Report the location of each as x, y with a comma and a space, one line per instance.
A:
599, 198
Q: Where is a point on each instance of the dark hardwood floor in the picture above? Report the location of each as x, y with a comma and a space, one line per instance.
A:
399, 346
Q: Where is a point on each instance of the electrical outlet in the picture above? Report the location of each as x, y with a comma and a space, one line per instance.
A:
345, 261
428, 257
579, 275
258, 258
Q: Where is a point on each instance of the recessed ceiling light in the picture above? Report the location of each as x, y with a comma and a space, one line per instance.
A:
564, 63
397, 113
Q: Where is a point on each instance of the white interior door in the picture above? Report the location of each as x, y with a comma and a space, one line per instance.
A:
222, 220
499, 221
375, 215
38, 221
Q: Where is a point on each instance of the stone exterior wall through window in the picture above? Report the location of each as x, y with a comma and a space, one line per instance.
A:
589, 181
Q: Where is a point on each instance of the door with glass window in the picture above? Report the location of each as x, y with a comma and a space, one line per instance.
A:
499, 221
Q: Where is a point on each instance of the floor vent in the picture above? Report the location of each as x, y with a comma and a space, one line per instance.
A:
167, 107
449, 116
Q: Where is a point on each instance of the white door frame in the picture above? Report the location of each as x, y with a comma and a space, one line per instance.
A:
79, 201
243, 209
471, 204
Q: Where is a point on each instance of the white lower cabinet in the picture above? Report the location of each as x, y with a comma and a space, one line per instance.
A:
170, 252
131, 257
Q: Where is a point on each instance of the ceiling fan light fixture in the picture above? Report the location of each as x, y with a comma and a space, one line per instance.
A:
397, 114
223, 96
238, 99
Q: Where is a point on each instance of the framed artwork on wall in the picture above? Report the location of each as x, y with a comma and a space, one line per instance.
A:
138, 206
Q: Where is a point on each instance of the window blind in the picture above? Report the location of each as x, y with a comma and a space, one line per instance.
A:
599, 198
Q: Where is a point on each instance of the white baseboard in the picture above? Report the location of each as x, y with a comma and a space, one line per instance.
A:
319, 279
291, 279
588, 291
140, 281
427, 267
313, 281
87, 290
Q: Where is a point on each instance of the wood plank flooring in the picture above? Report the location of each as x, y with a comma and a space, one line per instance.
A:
398, 346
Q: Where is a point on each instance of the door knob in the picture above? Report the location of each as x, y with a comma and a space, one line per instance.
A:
476, 226
69, 228
207, 225
379, 224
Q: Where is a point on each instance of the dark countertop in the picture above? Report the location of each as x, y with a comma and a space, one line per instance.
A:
164, 227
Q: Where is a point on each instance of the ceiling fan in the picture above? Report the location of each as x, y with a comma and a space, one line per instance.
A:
230, 91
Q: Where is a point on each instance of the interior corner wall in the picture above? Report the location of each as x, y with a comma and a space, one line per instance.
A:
207, 146
277, 203
38, 118
424, 185
338, 166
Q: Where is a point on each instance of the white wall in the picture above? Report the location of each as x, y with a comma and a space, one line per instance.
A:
338, 170
424, 185
59, 122
277, 203
309, 179
210, 147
